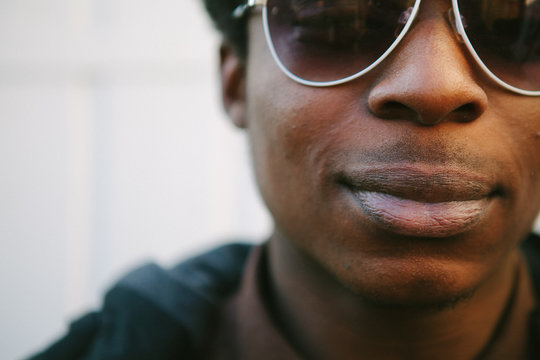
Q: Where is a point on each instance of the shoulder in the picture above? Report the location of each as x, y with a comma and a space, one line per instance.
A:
531, 249
155, 313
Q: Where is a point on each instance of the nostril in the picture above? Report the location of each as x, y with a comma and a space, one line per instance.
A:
393, 110
396, 110
470, 107
467, 112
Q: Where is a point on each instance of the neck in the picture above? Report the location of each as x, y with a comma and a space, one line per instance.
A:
324, 320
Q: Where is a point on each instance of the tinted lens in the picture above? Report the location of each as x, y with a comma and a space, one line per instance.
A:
328, 40
506, 36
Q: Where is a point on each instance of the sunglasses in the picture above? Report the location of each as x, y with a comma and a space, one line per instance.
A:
330, 42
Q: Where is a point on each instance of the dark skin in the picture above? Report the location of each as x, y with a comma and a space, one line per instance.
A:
343, 284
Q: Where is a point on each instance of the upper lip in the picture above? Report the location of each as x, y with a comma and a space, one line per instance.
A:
420, 182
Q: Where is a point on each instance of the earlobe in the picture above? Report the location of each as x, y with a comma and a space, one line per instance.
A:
232, 71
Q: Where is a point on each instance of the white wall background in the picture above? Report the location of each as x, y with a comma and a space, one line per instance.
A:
113, 149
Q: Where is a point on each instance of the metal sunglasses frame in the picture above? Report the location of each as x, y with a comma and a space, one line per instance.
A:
242, 9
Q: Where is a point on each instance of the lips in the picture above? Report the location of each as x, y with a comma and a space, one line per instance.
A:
421, 200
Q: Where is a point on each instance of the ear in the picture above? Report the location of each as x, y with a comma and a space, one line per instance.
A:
233, 85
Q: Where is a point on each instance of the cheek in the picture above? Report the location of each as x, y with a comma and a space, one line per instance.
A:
293, 131
516, 126
286, 138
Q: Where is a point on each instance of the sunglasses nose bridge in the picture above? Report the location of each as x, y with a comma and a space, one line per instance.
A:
451, 17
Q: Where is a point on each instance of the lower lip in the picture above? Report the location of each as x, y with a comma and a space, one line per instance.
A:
419, 219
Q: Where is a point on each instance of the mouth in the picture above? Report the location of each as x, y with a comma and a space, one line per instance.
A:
419, 200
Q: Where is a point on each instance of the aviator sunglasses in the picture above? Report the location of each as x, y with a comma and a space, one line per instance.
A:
330, 42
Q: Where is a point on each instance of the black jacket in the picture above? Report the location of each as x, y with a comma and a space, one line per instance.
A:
160, 314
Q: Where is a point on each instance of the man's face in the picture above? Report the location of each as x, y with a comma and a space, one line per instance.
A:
412, 184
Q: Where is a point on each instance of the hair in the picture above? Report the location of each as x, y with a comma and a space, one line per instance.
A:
233, 30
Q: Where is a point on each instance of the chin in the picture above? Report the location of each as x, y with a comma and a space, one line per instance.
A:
418, 300
416, 284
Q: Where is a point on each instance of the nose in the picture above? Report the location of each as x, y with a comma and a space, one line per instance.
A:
428, 79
